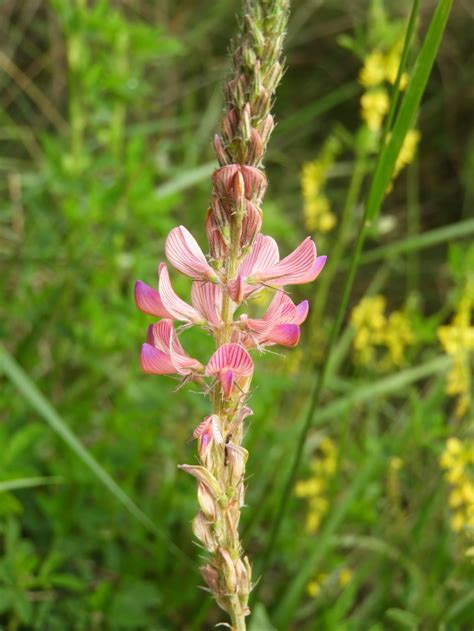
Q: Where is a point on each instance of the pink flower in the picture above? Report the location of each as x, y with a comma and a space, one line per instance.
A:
279, 325
206, 299
230, 363
184, 253
262, 267
163, 353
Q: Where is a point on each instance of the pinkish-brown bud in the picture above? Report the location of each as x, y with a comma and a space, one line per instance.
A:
251, 224
223, 180
230, 575
256, 148
266, 128
229, 125
255, 183
221, 153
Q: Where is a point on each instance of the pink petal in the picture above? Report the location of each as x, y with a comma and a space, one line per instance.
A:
264, 254
227, 380
301, 266
284, 334
149, 301
154, 361
302, 312
251, 224
230, 356
207, 299
176, 307
185, 255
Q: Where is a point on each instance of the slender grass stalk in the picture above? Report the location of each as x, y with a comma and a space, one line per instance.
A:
380, 180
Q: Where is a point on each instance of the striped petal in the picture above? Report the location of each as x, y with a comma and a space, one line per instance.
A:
148, 300
284, 334
166, 341
207, 300
228, 363
264, 254
301, 266
174, 305
155, 362
184, 253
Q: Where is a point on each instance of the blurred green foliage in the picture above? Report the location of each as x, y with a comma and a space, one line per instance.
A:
107, 109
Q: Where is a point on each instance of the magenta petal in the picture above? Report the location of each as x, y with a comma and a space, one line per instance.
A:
149, 301
150, 338
154, 361
227, 381
284, 334
301, 312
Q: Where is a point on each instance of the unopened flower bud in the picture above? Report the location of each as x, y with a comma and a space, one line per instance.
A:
221, 153
266, 128
202, 531
230, 575
206, 502
256, 148
246, 123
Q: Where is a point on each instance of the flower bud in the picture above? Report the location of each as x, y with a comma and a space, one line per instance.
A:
206, 502
256, 148
221, 153
202, 531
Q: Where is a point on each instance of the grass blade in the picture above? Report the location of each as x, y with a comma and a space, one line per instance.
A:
28, 483
37, 400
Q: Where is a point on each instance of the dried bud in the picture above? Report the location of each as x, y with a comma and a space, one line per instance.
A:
237, 457
230, 575
261, 103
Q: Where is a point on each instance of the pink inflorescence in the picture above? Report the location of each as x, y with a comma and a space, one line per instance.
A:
258, 267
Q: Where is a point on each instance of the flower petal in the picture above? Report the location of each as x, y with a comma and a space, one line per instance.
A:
230, 356
176, 307
207, 299
301, 312
154, 361
149, 300
301, 266
264, 254
284, 334
185, 255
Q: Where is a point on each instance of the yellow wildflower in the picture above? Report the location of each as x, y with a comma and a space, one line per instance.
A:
456, 460
457, 339
315, 488
407, 151
374, 70
374, 106
317, 208
373, 330
314, 587
392, 63
345, 576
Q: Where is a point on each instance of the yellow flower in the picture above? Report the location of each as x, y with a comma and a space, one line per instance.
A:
374, 106
373, 330
316, 205
374, 70
392, 63
457, 340
456, 461
314, 489
407, 151
313, 588
345, 576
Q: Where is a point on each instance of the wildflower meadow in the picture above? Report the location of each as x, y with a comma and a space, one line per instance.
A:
237, 315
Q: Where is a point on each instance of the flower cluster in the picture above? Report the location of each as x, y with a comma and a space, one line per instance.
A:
317, 207
457, 340
375, 331
379, 67
315, 488
457, 460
